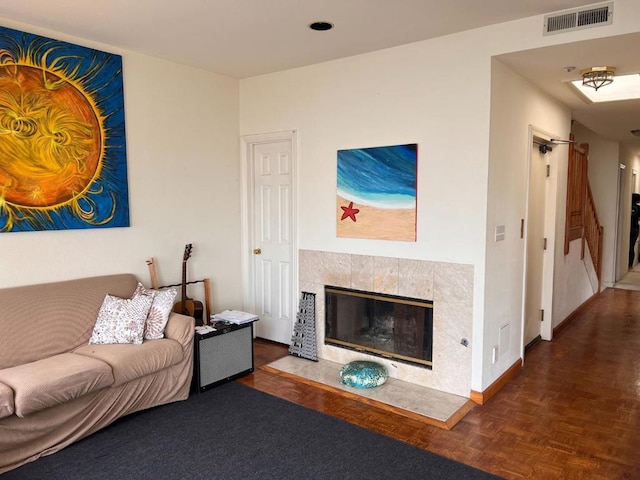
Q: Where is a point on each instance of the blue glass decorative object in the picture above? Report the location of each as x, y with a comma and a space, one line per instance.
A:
363, 374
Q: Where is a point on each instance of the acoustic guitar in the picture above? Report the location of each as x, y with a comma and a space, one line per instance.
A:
186, 305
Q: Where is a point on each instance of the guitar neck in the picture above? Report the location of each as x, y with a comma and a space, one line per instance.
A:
184, 281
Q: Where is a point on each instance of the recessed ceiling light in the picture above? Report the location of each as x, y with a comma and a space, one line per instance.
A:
623, 87
635, 132
321, 26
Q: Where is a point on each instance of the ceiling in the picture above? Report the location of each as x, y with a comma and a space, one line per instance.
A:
545, 67
243, 38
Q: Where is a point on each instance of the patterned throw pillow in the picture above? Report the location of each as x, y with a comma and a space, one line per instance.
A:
121, 320
160, 310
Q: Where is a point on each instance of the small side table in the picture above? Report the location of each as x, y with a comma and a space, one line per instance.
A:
222, 355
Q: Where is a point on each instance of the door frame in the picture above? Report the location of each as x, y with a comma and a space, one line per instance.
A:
551, 192
620, 255
247, 144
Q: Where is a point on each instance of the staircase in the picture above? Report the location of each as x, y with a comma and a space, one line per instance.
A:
592, 235
582, 218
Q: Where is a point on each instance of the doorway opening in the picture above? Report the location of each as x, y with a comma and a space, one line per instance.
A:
539, 237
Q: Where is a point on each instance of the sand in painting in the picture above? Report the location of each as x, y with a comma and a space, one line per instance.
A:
377, 223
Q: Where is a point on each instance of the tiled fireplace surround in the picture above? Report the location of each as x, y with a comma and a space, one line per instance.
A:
448, 285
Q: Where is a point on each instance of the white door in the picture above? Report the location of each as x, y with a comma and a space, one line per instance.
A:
272, 239
536, 210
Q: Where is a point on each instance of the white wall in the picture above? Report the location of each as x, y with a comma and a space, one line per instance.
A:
182, 156
603, 178
391, 97
385, 98
515, 107
572, 284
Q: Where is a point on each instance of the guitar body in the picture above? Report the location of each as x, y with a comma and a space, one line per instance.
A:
191, 308
186, 305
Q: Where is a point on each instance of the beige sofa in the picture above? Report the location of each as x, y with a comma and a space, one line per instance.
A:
55, 388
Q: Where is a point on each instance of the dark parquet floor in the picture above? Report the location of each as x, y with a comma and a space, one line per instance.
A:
573, 412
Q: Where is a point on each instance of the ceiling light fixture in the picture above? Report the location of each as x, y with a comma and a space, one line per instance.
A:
626, 87
596, 77
321, 26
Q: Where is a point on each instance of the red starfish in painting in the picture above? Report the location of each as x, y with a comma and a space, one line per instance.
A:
349, 212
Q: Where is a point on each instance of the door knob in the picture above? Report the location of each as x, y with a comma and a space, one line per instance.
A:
257, 251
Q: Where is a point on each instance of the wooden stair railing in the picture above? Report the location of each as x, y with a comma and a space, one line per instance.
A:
577, 180
582, 218
593, 234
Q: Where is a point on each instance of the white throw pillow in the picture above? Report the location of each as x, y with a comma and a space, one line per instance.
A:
161, 307
121, 320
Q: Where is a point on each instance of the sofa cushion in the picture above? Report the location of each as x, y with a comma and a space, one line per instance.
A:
54, 380
160, 310
39, 321
6, 401
134, 361
121, 320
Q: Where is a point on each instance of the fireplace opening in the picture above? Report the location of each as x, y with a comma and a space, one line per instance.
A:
388, 326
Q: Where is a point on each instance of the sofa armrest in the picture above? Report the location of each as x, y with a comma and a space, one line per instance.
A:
180, 328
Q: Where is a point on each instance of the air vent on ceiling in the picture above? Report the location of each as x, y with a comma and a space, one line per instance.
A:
579, 18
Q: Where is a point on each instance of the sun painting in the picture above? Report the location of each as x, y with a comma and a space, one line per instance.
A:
62, 136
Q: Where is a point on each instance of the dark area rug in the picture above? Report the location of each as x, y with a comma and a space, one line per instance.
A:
236, 432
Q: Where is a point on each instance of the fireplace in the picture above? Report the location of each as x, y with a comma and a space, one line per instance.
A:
448, 286
388, 326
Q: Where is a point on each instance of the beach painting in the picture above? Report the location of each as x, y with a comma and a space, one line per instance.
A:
376, 195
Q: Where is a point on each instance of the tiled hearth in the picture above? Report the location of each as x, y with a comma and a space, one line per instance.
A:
425, 404
448, 285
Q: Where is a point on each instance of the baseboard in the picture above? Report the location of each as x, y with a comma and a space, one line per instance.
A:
563, 324
483, 397
532, 343
270, 342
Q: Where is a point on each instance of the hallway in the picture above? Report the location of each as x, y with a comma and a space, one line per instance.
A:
631, 281
573, 412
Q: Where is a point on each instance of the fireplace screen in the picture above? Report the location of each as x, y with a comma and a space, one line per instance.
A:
385, 325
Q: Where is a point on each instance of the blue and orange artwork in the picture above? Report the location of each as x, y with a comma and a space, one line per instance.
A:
63, 161
377, 192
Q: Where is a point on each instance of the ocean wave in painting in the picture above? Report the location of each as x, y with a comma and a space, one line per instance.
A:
382, 177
